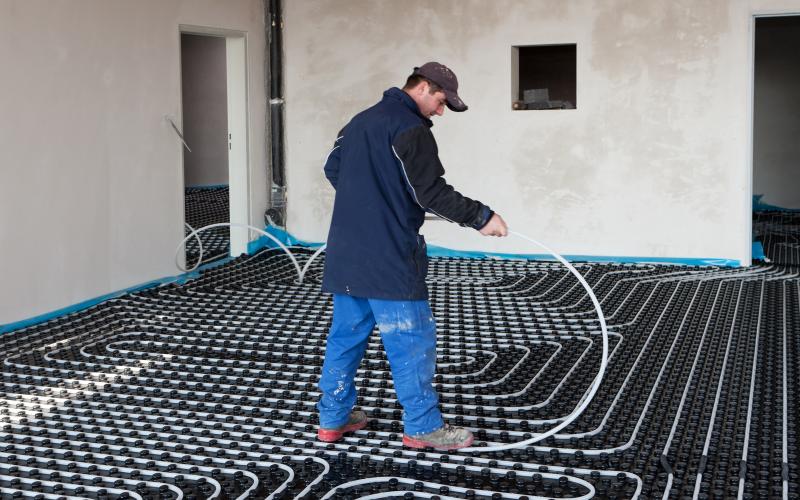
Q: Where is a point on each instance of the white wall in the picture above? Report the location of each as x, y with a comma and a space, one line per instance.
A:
90, 173
205, 110
776, 148
654, 162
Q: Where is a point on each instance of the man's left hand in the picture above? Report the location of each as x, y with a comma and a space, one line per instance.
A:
495, 227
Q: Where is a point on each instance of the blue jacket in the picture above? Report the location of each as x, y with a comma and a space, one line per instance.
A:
386, 171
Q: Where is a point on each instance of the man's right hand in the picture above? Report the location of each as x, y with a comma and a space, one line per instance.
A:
495, 227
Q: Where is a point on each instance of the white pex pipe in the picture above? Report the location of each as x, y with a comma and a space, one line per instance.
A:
519, 444
196, 232
200, 260
597, 380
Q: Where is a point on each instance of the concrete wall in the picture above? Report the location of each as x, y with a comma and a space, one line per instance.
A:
776, 148
654, 162
205, 110
91, 174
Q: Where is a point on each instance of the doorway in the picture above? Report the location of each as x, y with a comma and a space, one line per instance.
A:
776, 127
215, 156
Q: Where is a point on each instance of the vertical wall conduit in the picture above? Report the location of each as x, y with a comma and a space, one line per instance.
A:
274, 20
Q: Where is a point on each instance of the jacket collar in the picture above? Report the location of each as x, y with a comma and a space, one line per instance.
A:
395, 93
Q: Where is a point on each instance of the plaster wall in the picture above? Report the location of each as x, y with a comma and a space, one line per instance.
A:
655, 162
91, 174
205, 110
776, 150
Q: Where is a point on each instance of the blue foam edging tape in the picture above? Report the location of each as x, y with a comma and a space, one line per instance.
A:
86, 304
436, 251
758, 251
207, 186
283, 236
759, 205
433, 251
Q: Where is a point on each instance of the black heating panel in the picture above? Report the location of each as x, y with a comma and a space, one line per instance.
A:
205, 206
208, 389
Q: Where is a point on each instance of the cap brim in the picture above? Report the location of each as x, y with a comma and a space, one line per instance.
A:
454, 103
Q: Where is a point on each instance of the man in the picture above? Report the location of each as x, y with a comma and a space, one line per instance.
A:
386, 172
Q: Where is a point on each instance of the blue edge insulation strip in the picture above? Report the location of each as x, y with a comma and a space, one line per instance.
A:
208, 186
433, 251
760, 206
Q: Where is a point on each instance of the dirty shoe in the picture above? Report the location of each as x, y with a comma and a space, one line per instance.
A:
357, 420
445, 438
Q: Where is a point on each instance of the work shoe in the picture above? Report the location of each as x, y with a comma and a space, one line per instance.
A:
356, 421
445, 438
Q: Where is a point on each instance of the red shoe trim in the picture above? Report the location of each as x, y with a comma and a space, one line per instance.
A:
329, 435
419, 443
332, 435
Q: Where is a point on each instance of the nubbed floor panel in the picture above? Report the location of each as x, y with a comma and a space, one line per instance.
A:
208, 389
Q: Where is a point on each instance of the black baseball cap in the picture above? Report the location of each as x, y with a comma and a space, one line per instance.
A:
444, 77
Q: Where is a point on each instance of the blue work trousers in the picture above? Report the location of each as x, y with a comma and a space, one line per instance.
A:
408, 331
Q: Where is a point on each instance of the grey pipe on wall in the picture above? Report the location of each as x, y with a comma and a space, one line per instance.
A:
276, 213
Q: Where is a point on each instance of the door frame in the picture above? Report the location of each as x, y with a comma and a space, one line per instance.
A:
238, 129
751, 118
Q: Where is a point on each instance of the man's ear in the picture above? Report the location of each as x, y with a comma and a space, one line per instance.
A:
422, 88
